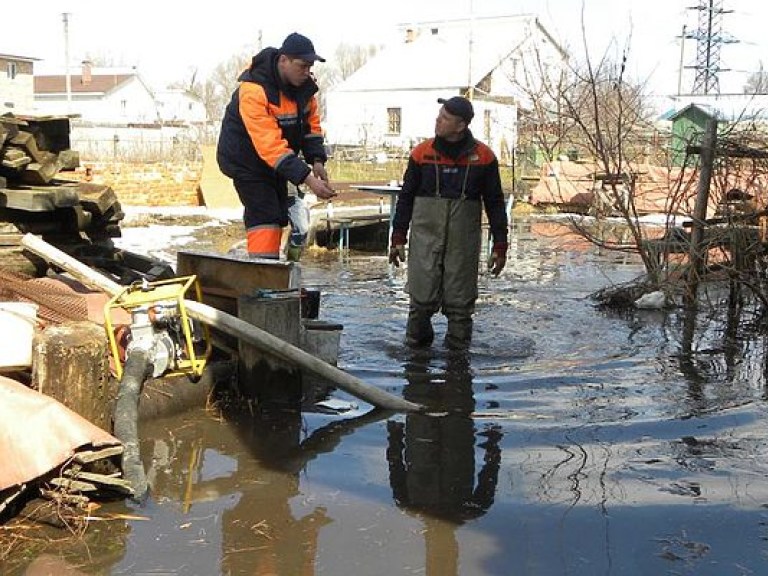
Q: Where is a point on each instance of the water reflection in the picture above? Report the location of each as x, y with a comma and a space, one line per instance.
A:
432, 458
248, 467
617, 439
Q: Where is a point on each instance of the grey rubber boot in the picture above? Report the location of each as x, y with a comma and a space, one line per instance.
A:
419, 332
458, 335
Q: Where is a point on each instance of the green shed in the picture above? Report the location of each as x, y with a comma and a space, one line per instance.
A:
688, 126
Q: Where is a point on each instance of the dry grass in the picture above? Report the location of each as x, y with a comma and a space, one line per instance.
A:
347, 171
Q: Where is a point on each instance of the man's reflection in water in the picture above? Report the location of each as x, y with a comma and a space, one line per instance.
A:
432, 459
262, 533
281, 542
254, 463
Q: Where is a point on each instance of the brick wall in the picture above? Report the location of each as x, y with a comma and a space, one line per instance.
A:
144, 184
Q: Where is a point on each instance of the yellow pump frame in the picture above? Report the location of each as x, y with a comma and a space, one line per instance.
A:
173, 289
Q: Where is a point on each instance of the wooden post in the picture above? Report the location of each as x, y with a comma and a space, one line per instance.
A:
70, 364
706, 162
263, 377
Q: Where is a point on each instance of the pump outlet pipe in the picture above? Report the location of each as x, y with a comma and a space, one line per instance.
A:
136, 370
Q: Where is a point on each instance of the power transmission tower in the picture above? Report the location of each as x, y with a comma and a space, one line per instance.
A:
709, 39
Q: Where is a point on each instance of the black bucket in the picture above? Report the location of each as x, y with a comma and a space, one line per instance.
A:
310, 303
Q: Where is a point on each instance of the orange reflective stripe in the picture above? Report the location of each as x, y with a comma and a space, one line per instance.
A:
260, 120
264, 241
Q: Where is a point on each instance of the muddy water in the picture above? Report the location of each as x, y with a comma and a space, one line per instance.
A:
568, 441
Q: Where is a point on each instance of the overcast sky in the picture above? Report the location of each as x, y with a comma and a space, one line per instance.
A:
168, 39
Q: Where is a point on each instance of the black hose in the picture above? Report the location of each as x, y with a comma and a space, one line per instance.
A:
126, 417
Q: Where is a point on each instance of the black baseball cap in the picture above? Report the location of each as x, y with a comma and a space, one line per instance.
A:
459, 106
300, 46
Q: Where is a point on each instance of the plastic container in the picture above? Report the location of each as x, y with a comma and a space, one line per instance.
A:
321, 339
18, 321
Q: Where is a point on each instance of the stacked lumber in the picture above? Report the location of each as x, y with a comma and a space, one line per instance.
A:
23, 157
33, 150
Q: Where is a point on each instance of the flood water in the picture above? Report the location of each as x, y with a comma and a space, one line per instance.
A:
569, 440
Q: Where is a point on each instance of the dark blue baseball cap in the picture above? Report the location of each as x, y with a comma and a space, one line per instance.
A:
458, 106
300, 46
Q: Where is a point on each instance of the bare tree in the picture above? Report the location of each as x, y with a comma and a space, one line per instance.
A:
216, 90
594, 110
757, 83
349, 58
598, 110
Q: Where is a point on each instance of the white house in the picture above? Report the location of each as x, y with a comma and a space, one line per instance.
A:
114, 96
116, 113
16, 84
177, 106
391, 101
97, 95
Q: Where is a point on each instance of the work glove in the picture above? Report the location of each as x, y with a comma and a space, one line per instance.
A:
397, 248
396, 254
498, 258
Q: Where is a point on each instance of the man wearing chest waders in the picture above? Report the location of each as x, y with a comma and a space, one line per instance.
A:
449, 180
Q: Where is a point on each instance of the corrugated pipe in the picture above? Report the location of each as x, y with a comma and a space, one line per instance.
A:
136, 370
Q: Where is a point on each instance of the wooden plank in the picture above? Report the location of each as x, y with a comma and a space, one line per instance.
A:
73, 485
96, 198
42, 171
10, 239
27, 141
88, 456
111, 481
38, 199
17, 162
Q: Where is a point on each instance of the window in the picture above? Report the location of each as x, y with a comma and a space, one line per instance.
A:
12, 69
393, 120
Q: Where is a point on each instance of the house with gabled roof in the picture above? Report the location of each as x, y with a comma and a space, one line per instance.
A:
177, 107
390, 102
98, 95
16, 84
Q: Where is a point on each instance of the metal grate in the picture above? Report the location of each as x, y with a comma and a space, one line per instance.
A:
56, 302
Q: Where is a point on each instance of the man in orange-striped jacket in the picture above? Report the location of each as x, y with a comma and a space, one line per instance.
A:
270, 136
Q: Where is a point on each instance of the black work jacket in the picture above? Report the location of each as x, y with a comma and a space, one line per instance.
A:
267, 124
472, 172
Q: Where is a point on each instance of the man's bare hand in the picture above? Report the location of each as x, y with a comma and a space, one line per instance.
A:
319, 187
318, 169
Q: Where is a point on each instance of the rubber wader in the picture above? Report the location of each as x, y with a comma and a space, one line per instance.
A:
443, 261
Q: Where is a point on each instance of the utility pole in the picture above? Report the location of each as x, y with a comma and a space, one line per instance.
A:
696, 254
682, 59
470, 86
65, 18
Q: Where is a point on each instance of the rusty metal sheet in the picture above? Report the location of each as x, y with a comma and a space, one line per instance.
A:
39, 434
